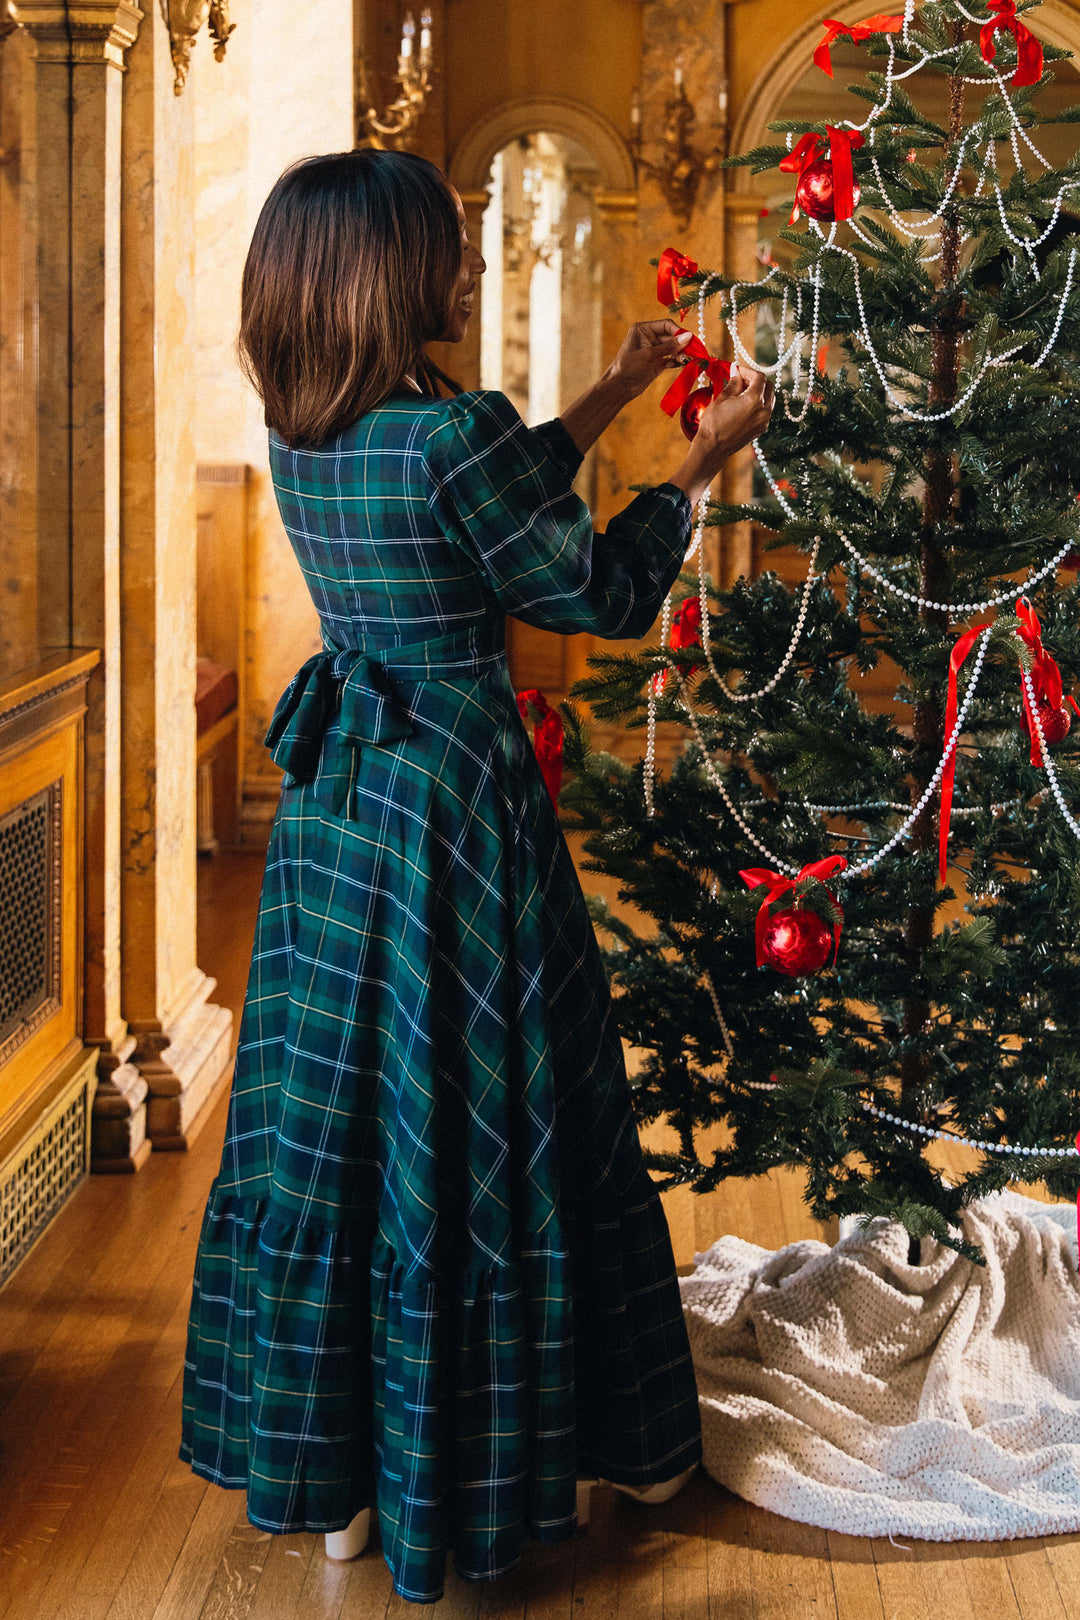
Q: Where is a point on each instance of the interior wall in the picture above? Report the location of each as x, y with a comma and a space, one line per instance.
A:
284, 91
18, 359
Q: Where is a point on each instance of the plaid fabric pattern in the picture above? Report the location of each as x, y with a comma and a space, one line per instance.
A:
433, 1275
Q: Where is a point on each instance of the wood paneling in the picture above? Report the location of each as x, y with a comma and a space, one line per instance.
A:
99, 1520
41, 742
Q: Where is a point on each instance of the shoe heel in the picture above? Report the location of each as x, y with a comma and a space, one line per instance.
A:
585, 1488
653, 1495
344, 1545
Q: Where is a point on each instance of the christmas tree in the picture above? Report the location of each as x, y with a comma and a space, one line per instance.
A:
839, 1018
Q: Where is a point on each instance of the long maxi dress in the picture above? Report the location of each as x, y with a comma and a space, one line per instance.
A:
433, 1276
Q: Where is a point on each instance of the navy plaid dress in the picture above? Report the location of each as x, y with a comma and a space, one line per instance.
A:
433, 1276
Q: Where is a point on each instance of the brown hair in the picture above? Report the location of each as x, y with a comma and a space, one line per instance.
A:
350, 272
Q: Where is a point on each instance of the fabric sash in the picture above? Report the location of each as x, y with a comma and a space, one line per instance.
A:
356, 688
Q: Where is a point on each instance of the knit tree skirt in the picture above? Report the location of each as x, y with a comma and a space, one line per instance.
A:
848, 1389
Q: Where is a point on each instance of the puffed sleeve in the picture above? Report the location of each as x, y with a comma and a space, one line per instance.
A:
503, 492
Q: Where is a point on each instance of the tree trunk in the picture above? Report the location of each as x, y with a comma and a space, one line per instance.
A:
934, 574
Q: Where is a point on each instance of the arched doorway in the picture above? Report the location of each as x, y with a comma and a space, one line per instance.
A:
541, 182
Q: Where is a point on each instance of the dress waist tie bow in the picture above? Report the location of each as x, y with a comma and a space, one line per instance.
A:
355, 690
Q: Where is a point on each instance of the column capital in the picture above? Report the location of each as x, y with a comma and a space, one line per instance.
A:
81, 31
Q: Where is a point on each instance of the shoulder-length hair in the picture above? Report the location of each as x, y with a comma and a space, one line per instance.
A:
351, 270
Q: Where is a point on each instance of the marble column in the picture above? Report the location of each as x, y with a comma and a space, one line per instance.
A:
78, 52
182, 1039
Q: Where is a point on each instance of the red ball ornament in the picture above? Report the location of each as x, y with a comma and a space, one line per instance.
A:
814, 192
1055, 723
694, 407
796, 942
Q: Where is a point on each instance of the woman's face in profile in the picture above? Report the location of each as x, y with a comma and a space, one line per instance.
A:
472, 268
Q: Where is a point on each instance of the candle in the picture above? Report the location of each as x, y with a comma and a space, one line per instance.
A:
425, 34
722, 100
678, 75
635, 107
407, 31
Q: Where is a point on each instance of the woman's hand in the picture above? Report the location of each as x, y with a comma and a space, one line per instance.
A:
649, 348
738, 414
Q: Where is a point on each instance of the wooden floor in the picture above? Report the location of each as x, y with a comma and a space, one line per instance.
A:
99, 1520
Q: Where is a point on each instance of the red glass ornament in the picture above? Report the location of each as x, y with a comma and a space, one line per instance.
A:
796, 942
1055, 723
814, 192
694, 407
1071, 560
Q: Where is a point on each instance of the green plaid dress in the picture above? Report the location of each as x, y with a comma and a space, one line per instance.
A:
433, 1276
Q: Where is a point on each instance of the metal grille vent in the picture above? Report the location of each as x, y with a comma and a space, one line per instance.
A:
41, 1181
29, 916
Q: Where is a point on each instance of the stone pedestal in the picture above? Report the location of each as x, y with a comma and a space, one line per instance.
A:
183, 1065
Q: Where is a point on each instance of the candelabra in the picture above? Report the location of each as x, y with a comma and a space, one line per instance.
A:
183, 19
394, 127
682, 166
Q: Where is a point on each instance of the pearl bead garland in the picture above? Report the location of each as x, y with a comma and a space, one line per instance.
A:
1051, 773
725, 1033
930, 1132
913, 596
858, 868
796, 634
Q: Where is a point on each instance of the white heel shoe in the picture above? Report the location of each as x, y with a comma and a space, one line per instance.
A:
344, 1545
585, 1489
653, 1495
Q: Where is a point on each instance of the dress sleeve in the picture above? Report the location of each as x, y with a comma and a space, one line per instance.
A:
503, 492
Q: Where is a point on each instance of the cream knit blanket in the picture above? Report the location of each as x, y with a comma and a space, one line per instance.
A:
848, 1389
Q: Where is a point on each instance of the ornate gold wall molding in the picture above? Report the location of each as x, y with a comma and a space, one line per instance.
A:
183, 19
81, 31
470, 163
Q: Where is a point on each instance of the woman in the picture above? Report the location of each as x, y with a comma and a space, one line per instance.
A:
433, 1278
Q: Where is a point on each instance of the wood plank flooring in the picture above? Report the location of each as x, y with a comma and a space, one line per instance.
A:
99, 1520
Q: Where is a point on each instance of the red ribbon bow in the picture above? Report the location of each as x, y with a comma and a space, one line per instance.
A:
700, 364
856, 31
777, 884
1029, 52
685, 632
840, 144
672, 266
670, 270
547, 738
960, 651
1045, 674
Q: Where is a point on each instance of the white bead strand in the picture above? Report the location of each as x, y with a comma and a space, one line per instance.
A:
725, 1033
930, 1132
796, 634
955, 608
931, 219
958, 609
968, 1141
650, 729
858, 868
1051, 774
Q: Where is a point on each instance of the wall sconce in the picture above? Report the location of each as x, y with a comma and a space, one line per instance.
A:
183, 19
682, 167
397, 123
